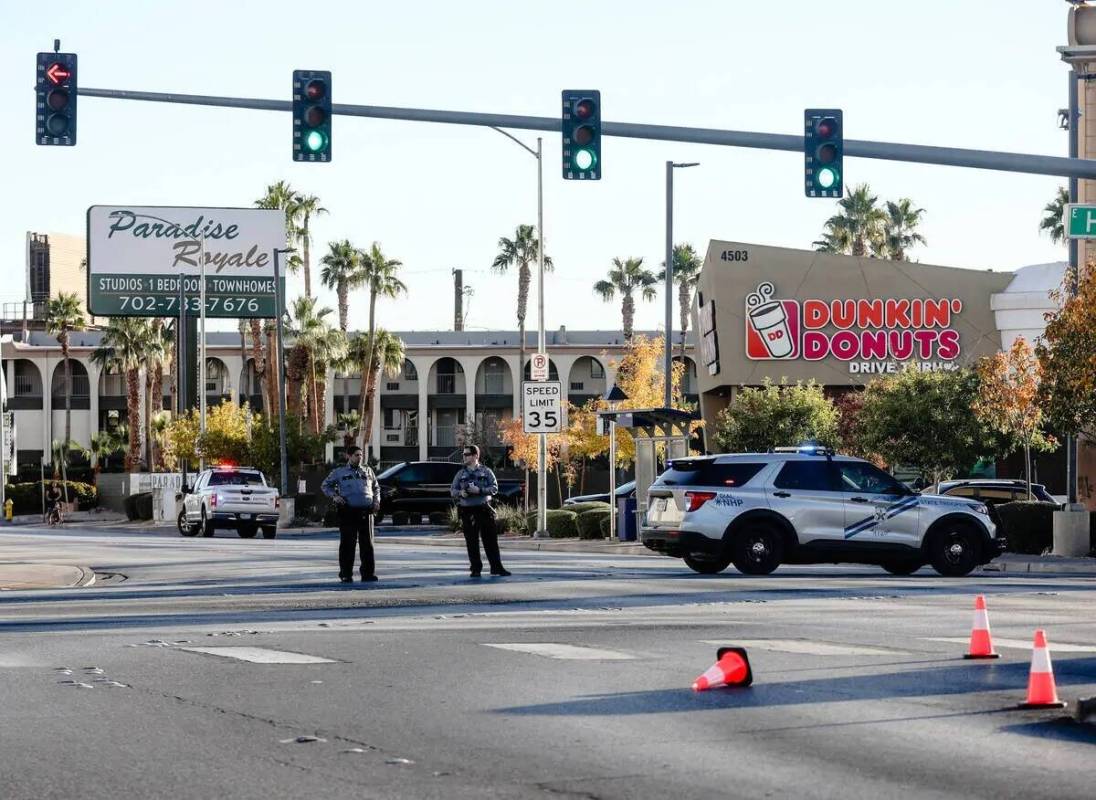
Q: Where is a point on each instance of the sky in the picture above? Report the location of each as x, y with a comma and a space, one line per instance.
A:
938, 72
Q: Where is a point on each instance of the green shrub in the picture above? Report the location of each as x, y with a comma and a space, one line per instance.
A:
582, 508
605, 523
26, 498
561, 524
1028, 527
512, 520
589, 523
139, 506
453, 520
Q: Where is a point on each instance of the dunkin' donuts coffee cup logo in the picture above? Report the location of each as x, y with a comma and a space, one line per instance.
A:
873, 335
772, 326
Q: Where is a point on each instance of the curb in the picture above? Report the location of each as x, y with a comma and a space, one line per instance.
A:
14, 581
547, 546
1071, 566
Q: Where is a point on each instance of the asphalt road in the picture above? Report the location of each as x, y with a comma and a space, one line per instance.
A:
568, 680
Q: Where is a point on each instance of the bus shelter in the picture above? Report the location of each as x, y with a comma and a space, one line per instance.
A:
653, 429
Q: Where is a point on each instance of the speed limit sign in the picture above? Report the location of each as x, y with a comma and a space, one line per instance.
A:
542, 406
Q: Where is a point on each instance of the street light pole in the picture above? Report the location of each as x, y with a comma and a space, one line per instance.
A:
202, 344
667, 360
284, 458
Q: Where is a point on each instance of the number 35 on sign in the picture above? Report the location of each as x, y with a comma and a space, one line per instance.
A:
542, 406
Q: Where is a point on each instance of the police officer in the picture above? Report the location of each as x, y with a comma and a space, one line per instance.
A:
473, 487
357, 495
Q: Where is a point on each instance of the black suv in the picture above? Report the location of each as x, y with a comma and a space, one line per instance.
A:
423, 487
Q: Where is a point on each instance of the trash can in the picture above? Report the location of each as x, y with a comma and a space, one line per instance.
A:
626, 519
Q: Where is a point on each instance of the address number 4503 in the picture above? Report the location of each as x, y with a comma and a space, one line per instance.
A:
735, 255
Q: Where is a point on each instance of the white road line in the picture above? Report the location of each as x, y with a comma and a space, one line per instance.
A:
1020, 644
259, 655
566, 652
805, 646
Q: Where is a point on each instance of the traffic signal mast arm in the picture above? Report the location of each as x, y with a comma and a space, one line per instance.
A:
889, 151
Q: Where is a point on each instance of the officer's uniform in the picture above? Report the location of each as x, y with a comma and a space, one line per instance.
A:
476, 517
359, 488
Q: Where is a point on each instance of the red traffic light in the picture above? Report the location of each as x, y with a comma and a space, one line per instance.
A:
315, 90
57, 73
584, 109
826, 127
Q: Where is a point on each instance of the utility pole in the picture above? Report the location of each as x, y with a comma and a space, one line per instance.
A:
667, 360
282, 451
458, 300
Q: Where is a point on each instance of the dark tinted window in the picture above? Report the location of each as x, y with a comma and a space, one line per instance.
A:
857, 476
388, 473
810, 475
412, 473
709, 473
442, 473
235, 479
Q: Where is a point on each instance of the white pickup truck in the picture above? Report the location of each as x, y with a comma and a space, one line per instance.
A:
230, 497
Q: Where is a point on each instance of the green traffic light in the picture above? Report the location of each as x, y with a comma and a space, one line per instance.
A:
314, 141
827, 177
585, 160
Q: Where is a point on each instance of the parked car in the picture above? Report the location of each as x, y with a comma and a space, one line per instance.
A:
758, 511
624, 490
237, 498
423, 487
993, 492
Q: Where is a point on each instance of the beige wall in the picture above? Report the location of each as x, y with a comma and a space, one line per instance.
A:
800, 275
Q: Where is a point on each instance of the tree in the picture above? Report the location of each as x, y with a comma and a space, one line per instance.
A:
1008, 399
382, 278
523, 447
857, 228
157, 355
776, 415
103, 445
926, 420
900, 229
627, 277
520, 252
1053, 221
639, 375
349, 422
125, 346
687, 266
581, 441
64, 315
316, 346
342, 271
1067, 358
306, 206
384, 353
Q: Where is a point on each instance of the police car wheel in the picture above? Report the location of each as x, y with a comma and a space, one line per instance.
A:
706, 564
954, 550
903, 567
207, 525
185, 528
758, 550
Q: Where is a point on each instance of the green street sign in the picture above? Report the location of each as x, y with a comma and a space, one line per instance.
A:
1080, 221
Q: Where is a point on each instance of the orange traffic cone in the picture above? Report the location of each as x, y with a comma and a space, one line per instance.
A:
981, 645
732, 668
1041, 691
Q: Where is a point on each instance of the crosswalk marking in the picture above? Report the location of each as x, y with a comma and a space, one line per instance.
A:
1020, 644
259, 655
566, 652
806, 647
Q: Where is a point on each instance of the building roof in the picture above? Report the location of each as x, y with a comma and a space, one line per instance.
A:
1041, 278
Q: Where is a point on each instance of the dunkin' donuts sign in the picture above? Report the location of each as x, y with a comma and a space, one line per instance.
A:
871, 335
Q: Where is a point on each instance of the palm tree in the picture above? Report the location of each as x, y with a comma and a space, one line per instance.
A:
349, 423
385, 354
317, 345
158, 428
900, 229
304, 208
687, 265
158, 354
125, 345
521, 251
858, 227
1053, 222
626, 277
64, 315
103, 444
381, 276
342, 271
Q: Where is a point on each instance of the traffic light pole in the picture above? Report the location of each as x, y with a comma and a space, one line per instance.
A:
283, 456
854, 148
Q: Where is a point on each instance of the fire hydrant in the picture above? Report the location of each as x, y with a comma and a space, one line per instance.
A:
8, 507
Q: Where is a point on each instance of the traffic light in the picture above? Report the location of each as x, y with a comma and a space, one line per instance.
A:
581, 135
823, 150
311, 115
55, 99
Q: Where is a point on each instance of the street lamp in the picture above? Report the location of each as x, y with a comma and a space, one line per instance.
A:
613, 398
667, 356
542, 439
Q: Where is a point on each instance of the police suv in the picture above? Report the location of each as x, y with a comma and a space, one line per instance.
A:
809, 506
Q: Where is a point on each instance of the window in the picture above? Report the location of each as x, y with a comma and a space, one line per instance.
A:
858, 476
494, 377
689, 472
442, 472
392, 386
596, 370
409, 371
576, 386
817, 476
447, 376
962, 491
412, 474
1000, 495
235, 478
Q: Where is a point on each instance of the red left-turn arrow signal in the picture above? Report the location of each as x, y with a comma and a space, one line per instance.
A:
57, 73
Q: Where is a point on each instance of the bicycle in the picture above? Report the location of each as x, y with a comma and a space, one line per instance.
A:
54, 517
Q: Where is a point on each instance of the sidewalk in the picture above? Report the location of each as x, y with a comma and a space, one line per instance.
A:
99, 515
44, 576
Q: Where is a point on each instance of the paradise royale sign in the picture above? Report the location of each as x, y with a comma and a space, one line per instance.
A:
137, 255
